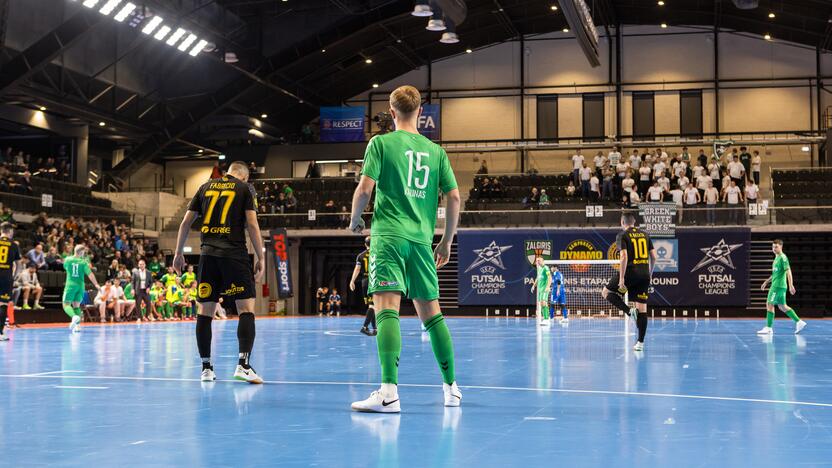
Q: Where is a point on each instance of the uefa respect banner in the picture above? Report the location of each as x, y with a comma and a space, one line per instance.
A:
340, 124
696, 268
429, 122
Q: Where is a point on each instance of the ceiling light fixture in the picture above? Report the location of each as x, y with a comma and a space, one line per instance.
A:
174, 38
767, 37
566, 30
124, 12
42, 108
368, 61
199, 47
101, 124
468, 51
772, 15
660, 2
449, 37
90, 3
664, 25
109, 7
152, 24
553, 8
162, 32
187, 42
264, 116
375, 85
422, 8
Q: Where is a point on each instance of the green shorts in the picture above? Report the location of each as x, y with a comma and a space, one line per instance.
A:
543, 296
776, 296
397, 264
73, 294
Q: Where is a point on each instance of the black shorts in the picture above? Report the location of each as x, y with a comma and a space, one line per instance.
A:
365, 285
231, 278
638, 287
6, 288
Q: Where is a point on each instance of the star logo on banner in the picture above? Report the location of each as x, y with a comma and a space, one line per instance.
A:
719, 253
491, 254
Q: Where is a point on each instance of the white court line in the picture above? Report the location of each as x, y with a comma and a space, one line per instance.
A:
79, 387
474, 387
56, 372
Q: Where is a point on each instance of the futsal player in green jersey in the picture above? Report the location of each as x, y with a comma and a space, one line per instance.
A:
407, 172
543, 285
77, 266
781, 280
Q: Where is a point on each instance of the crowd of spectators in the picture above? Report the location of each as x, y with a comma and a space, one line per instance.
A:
277, 198
17, 169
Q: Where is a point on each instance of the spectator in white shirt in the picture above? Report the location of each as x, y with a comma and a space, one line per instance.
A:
644, 173
683, 182
594, 188
726, 182
711, 198
715, 169
664, 183
661, 154
733, 195
586, 174
634, 198
125, 306
677, 195
106, 299
655, 193
614, 156
737, 171
599, 160
702, 183
577, 164
635, 159
698, 171
658, 169
28, 283
751, 192
680, 168
628, 183
756, 163
692, 197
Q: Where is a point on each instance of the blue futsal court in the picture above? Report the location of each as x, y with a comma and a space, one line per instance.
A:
705, 393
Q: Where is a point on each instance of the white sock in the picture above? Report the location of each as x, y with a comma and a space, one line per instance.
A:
389, 390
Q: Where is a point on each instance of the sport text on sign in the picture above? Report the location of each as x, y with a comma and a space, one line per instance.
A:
658, 219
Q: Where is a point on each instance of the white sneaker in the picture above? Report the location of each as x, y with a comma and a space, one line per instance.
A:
247, 375
765, 331
453, 397
564, 320
378, 404
4, 337
639, 346
543, 322
208, 375
75, 324
799, 326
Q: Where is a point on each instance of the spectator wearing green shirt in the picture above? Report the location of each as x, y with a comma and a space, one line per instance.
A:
781, 280
155, 266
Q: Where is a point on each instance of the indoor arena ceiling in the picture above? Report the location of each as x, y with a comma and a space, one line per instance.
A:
286, 58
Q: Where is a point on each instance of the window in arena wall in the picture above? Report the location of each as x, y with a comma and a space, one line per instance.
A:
547, 117
644, 114
593, 123
690, 112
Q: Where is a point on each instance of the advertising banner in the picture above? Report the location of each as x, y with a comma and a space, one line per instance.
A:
339, 124
283, 273
429, 122
696, 268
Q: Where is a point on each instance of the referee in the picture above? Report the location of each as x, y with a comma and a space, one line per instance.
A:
228, 209
637, 259
362, 268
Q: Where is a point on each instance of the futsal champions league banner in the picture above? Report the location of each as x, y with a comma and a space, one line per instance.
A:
696, 268
283, 270
339, 124
429, 122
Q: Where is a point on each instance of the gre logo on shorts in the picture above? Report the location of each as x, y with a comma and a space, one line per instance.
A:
204, 290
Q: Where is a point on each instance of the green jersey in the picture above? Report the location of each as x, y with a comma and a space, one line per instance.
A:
76, 269
168, 279
156, 293
544, 277
779, 269
409, 171
187, 278
128, 292
155, 268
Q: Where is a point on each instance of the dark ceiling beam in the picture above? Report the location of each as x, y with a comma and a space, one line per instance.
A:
506, 20
47, 48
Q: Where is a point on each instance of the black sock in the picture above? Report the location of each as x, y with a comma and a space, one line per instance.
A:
203, 339
370, 317
245, 337
641, 322
2, 317
618, 301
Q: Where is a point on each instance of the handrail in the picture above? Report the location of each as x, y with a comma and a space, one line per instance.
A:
297, 179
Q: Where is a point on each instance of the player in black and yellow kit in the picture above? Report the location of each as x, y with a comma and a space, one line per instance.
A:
9, 257
228, 209
633, 277
362, 268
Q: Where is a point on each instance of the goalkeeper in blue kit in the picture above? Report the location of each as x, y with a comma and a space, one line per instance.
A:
558, 296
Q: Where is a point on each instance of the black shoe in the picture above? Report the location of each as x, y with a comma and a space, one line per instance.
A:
374, 332
366, 331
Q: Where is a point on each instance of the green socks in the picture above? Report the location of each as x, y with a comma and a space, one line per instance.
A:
69, 310
389, 341
769, 319
443, 346
792, 315
790, 312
